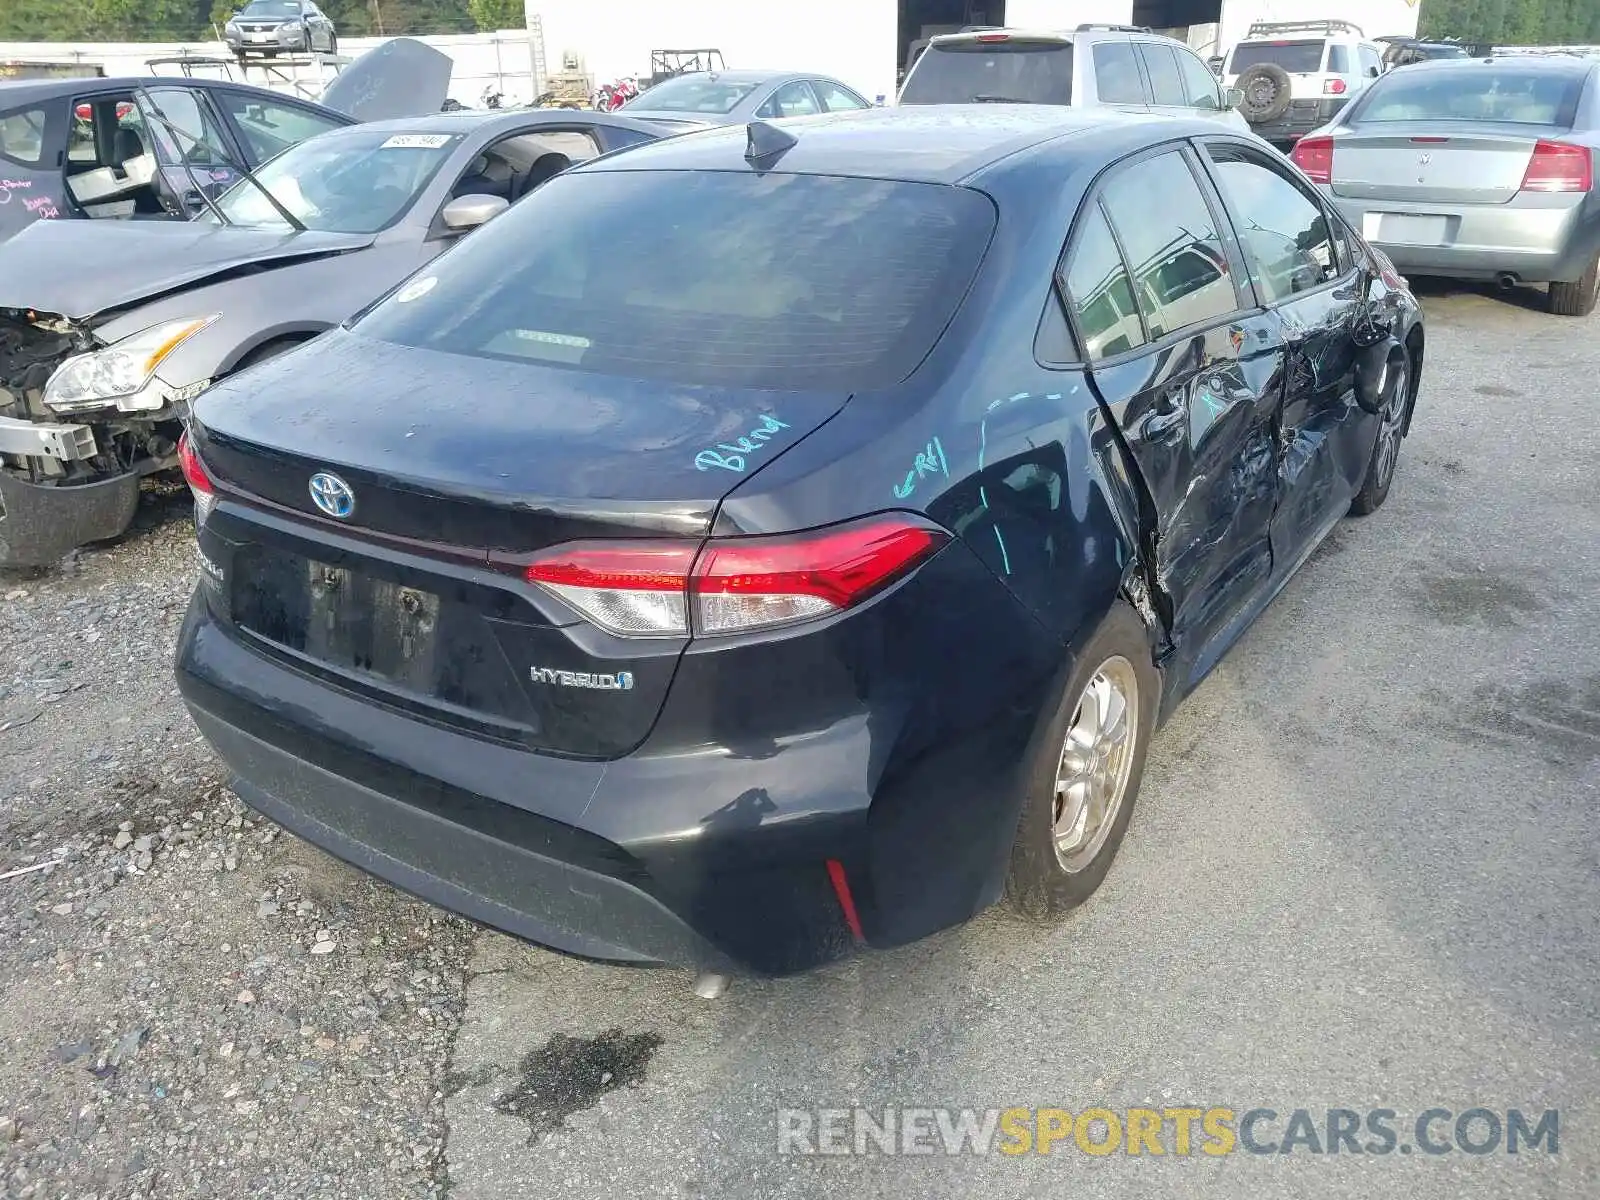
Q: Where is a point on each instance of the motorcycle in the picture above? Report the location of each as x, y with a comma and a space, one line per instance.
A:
612, 96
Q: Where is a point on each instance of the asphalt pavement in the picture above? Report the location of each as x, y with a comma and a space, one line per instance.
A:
1364, 874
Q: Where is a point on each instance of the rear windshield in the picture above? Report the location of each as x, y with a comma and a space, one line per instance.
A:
712, 278
1496, 94
1017, 71
1297, 58
694, 94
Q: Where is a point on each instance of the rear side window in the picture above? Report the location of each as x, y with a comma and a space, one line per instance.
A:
1099, 291
1492, 93
711, 278
1166, 85
22, 136
1200, 87
1027, 72
1116, 73
1174, 254
836, 98
1303, 57
1339, 60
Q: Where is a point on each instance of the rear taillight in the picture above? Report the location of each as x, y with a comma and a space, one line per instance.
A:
194, 471
1559, 167
734, 585
1334, 87
1314, 156
634, 589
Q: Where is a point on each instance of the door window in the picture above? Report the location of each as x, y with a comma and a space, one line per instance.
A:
194, 137
1099, 291
791, 100
269, 128
836, 98
1200, 87
1284, 232
1166, 85
1371, 64
1175, 255
1116, 73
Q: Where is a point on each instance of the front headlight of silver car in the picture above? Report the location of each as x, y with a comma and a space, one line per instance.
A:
124, 373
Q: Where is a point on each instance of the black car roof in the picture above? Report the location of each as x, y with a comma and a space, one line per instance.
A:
926, 143
17, 92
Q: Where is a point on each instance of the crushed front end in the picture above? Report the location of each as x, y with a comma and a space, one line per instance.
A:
70, 463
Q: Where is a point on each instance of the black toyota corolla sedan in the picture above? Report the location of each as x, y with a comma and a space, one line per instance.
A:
787, 537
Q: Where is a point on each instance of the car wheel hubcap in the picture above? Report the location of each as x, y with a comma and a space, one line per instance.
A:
1389, 431
1096, 760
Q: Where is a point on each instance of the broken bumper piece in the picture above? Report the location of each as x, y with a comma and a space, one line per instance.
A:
40, 523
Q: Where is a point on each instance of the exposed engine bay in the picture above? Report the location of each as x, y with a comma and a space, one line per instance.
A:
66, 478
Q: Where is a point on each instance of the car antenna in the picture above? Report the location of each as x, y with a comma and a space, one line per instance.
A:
765, 144
184, 135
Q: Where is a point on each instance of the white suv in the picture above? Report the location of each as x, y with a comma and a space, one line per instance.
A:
1293, 76
1111, 66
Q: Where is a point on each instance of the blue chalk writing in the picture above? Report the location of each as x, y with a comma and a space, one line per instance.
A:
930, 460
983, 451
731, 456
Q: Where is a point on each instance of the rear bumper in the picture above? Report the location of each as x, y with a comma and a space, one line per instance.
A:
1303, 116
1538, 239
680, 859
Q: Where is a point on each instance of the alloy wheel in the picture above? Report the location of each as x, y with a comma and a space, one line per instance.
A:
1394, 413
1096, 761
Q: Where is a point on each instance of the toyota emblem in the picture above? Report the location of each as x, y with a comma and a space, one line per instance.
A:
332, 495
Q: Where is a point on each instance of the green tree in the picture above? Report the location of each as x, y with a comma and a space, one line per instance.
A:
489, 15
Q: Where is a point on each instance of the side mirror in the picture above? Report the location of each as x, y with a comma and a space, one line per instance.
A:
1215, 63
1374, 72
1233, 97
468, 212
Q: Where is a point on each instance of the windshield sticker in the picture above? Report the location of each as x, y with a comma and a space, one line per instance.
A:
551, 339
416, 289
735, 460
417, 141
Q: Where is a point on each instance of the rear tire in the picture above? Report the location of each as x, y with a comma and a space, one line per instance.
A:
1084, 778
1386, 446
1576, 299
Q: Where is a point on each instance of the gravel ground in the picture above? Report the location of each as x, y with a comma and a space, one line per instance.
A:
191, 1003
1362, 872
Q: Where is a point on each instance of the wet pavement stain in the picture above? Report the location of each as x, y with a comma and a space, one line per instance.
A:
1477, 598
1494, 389
568, 1074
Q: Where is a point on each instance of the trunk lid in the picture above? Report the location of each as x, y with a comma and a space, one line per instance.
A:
1418, 162
461, 483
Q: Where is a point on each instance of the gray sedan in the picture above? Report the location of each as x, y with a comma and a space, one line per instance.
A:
705, 98
1480, 169
110, 327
